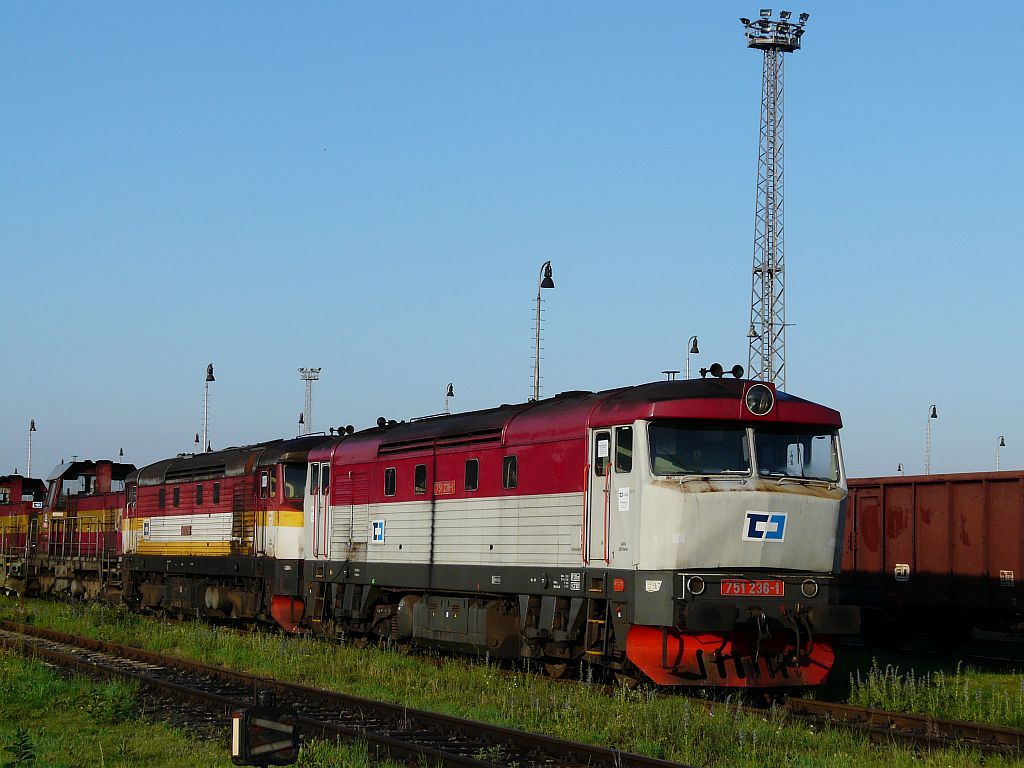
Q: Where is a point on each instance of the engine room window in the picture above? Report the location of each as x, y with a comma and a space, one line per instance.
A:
5, 495
390, 477
273, 483
472, 474
804, 453
176, 497
199, 495
623, 449
684, 450
161, 498
216, 493
420, 479
602, 452
509, 472
294, 481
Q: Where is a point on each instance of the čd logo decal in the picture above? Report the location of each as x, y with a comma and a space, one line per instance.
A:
764, 526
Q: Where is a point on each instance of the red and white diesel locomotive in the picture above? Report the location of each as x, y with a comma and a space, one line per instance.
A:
686, 531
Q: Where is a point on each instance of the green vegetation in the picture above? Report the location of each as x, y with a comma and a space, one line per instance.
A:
964, 694
672, 727
47, 720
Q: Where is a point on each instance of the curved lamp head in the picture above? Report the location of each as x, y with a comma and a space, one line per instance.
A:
451, 391
693, 347
933, 414
547, 282
1002, 442
209, 372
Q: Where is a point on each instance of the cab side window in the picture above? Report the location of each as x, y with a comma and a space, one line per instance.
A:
602, 452
623, 449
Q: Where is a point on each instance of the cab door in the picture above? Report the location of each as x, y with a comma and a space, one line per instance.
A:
595, 525
623, 499
320, 517
612, 499
263, 504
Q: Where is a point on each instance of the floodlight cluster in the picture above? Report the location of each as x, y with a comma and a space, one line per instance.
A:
782, 34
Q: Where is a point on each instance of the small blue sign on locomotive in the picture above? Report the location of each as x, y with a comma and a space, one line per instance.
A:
765, 526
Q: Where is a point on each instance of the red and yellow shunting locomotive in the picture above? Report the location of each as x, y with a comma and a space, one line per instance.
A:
685, 531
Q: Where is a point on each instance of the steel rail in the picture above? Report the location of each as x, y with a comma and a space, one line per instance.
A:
390, 730
885, 725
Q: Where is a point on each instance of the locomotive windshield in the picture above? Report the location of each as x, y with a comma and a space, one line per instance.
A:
805, 453
693, 450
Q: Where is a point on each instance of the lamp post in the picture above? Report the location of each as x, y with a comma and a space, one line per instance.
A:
693, 350
32, 428
206, 406
544, 281
1000, 444
450, 392
932, 414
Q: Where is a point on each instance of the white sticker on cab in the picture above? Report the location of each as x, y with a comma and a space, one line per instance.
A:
654, 585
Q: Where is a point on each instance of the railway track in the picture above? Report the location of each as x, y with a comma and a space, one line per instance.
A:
881, 725
417, 736
391, 731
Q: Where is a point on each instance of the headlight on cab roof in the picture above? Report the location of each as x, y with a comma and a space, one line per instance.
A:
760, 399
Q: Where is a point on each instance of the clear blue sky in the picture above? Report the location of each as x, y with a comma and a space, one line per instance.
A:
372, 187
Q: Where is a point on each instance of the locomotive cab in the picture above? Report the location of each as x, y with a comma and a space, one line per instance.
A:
733, 520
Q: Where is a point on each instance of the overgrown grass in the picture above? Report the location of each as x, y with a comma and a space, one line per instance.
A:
47, 720
964, 694
57, 722
671, 727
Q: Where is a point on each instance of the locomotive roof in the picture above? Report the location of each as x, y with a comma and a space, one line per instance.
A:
75, 468
28, 484
229, 462
563, 415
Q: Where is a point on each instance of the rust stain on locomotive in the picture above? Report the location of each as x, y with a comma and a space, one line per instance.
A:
748, 485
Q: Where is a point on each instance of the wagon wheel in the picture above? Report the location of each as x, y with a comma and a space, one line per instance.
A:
556, 669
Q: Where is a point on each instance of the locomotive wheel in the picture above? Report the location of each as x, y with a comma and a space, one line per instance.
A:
556, 669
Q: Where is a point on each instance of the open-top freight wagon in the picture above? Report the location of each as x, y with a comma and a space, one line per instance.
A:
936, 553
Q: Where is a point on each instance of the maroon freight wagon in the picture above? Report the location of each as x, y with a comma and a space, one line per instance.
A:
939, 553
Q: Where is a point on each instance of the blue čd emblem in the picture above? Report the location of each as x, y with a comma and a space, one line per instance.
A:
764, 526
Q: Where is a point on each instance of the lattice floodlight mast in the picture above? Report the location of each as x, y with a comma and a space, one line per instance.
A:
308, 375
767, 336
